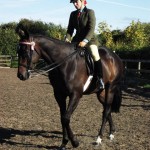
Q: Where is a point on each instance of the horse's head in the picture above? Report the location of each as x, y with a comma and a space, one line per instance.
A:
27, 54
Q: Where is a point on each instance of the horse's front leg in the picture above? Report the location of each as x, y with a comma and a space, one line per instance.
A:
73, 103
61, 100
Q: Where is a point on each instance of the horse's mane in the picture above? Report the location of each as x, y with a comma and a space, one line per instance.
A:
48, 38
104, 50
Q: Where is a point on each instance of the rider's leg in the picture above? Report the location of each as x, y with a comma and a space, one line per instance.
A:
98, 65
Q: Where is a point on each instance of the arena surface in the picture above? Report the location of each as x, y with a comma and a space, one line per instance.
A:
29, 117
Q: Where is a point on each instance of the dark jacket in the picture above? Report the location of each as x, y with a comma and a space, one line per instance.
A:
84, 25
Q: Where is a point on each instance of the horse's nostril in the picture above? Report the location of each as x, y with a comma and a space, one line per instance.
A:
20, 76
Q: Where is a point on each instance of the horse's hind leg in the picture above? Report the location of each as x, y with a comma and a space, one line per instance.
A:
112, 127
114, 108
109, 94
106, 112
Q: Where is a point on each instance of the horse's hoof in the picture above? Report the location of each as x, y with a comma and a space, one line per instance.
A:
75, 144
98, 141
111, 137
61, 148
96, 144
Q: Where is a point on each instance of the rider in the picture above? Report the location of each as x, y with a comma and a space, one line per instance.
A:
84, 21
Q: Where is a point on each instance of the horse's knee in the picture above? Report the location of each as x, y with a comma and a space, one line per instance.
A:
66, 119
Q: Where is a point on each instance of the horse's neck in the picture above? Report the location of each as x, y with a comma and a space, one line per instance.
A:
53, 51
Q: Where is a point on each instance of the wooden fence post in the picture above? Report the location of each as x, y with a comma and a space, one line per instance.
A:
139, 67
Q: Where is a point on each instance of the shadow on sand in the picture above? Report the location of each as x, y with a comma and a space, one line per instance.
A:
7, 133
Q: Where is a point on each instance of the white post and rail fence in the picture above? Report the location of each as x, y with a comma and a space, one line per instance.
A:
139, 65
138, 73
6, 61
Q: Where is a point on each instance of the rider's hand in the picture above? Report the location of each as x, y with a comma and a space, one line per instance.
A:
82, 44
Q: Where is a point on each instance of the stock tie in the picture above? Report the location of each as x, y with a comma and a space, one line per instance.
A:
79, 13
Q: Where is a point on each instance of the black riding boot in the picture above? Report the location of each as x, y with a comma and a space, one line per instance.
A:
98, 67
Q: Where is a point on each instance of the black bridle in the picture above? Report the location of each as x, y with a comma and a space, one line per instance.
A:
29, 58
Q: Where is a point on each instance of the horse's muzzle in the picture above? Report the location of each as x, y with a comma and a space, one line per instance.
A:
23, 76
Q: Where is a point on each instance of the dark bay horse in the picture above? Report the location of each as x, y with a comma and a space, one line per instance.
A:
69, 78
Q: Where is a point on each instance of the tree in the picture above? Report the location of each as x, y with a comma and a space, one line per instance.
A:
10, 25
105, 35
135, 36
8, 42
56, 31
38, 27
147, 31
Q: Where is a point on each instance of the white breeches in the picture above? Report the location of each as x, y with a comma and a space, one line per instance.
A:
94, 52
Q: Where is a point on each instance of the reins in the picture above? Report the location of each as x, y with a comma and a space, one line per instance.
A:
52, 66
49, 67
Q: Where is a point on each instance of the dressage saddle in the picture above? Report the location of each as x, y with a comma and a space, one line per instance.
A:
88, 60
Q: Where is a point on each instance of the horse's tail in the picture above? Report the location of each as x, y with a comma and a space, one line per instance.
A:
117, 100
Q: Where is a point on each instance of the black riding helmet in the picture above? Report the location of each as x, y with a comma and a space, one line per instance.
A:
71, 1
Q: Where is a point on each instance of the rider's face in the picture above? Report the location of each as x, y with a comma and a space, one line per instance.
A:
77, 4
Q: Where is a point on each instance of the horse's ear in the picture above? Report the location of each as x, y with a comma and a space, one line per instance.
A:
23, 33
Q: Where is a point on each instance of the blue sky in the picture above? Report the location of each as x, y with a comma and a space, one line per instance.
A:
117, 13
